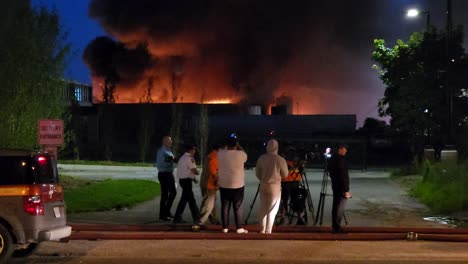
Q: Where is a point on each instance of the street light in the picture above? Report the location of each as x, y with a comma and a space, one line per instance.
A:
413, 12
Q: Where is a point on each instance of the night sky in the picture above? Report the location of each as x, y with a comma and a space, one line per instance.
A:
317, 53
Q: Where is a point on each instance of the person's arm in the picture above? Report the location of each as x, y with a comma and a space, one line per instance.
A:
192, 166
158, 158
284, 172
344, 176
212, 166
168, 158
258, 170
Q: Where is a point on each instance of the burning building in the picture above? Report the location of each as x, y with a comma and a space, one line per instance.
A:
293, 68
252, 52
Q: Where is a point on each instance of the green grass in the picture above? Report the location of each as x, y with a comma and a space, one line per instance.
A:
106, 163
405, 171
90, 196
70, 183
443, 187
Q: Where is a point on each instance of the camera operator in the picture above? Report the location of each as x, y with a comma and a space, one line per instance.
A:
338, 169
290, 186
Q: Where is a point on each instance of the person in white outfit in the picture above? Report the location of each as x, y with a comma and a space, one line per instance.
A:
271, 168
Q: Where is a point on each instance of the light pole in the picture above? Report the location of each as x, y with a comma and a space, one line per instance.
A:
412, 13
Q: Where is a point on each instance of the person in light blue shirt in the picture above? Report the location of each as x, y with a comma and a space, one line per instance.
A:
165, 165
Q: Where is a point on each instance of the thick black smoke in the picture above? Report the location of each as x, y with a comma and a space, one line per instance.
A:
300, 48
110, 59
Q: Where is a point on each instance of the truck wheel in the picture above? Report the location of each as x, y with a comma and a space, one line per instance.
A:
6, 244
26, 252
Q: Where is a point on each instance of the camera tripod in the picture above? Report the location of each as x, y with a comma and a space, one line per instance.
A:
309, 201
323, 194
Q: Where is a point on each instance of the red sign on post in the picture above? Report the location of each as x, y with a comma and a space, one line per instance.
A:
52, 150
50, 132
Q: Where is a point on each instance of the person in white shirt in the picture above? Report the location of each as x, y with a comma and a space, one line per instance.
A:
186, 173
231, 183
270, 169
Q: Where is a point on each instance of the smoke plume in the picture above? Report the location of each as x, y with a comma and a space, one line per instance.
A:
316, 53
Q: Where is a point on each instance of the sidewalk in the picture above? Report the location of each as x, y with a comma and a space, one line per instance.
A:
377, 201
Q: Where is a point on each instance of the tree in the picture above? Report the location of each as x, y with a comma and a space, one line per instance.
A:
32, 62
177, 74
73, 130
146, 120
203, 128
418, 91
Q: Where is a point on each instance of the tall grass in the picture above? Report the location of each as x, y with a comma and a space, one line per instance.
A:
443, 186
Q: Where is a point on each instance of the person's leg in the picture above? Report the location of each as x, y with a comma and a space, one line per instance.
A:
204, 209
213, 216
164, 196
172, 192
225, 207
263, 209
186, 186
237, 206
208, 205
335, 224
275, 198
340, 210
192, 203
339, 203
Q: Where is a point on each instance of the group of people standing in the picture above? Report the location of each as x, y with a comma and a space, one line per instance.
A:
223, 170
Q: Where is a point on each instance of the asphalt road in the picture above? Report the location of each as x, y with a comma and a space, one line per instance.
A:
249, 251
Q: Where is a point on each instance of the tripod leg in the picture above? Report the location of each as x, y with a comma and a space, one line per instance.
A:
323, 194
321, 211
252, 205
310, 203
320, 205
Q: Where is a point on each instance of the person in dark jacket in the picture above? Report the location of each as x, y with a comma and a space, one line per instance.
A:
338, 169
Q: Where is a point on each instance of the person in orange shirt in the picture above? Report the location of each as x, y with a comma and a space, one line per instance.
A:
289, 186
209, 186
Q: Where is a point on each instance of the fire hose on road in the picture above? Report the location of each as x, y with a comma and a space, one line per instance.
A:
212, 232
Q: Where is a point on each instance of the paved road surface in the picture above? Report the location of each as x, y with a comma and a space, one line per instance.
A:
242, 251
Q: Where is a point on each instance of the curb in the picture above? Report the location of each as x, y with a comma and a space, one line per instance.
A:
80, 167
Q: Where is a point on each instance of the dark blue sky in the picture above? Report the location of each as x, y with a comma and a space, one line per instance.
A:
81, 30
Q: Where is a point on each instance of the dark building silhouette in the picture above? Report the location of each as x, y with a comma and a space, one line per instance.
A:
120, 129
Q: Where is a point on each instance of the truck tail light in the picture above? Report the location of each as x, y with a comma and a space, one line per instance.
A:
33, 205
